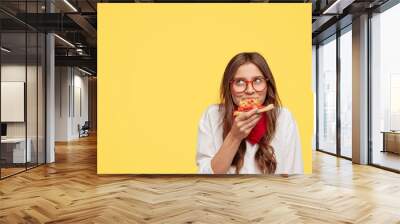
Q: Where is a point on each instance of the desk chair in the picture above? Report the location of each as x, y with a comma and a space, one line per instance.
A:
84, 130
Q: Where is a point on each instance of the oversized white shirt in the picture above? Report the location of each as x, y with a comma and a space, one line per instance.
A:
286, 143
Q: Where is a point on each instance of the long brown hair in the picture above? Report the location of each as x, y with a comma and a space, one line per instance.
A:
265, 155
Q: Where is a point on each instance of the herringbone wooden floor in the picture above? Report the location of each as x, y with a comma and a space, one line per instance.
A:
69, 191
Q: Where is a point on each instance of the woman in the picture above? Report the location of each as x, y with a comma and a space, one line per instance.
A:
223, 139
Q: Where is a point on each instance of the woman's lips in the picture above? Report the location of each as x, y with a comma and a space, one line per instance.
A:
245, 98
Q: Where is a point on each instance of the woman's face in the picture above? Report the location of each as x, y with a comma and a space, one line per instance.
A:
248, 72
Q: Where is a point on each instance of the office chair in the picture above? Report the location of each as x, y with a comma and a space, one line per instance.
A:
84, 130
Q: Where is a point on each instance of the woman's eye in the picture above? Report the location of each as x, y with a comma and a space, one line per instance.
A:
239, 82
257, 80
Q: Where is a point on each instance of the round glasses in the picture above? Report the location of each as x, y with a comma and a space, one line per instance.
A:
240, 85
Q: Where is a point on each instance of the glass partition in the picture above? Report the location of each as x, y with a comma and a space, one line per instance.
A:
14, 153
22, 77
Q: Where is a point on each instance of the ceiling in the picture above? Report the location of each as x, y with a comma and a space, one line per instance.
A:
76, 22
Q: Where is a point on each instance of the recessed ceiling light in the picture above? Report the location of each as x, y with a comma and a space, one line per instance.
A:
5, 50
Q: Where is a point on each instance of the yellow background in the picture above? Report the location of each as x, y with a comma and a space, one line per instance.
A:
160, 66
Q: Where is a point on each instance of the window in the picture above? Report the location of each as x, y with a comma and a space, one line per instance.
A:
385, 88
327, 95
346, 92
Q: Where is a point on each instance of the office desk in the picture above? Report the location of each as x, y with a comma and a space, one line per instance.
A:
16, 147
391, 141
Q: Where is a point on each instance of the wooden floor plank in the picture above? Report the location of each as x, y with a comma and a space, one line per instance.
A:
70, 191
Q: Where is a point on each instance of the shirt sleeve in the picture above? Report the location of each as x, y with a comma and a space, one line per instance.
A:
294, 159
205, 145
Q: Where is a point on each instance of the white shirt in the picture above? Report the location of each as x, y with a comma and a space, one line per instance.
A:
286, 144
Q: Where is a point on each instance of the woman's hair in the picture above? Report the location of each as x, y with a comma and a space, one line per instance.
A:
265, 155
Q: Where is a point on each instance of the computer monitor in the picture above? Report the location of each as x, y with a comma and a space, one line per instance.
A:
3, 129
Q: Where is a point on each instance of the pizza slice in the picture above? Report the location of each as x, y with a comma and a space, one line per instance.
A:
251, 103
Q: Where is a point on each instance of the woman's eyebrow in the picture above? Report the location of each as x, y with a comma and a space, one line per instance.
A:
258, 76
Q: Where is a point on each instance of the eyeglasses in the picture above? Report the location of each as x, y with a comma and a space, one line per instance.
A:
240, 85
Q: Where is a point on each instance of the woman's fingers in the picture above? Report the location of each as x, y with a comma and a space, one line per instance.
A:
245, 122
250, 125
250, 119
246, 115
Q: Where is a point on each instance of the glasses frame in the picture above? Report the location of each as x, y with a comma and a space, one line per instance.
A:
247, 84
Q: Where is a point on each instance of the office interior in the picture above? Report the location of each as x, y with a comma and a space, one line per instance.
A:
48, 81
48, 76
355, 67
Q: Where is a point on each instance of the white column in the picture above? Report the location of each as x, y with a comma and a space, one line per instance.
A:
50, 100
360, 90
50, 93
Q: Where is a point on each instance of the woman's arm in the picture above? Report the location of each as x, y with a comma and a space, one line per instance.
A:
211, 160
222, 161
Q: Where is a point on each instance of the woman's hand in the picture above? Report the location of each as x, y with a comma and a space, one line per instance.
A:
241, 128
244, 123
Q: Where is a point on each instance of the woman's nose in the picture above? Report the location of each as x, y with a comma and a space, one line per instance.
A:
249, 89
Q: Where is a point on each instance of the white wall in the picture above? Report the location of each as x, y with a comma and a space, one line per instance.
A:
62, 81
80, 83
70, 84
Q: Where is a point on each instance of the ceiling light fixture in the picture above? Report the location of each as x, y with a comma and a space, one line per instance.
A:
84, 71
70, 5
337, 7
64, 40
5, 50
